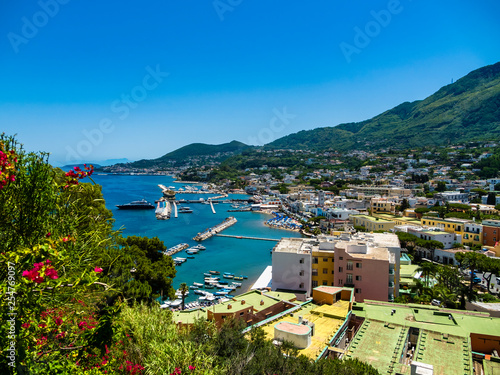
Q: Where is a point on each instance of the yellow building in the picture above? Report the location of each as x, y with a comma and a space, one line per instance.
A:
382, 205
372, 223
450, 225
322, 267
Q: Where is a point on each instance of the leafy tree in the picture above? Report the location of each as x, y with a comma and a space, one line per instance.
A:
441, 186
428, 269
497, 187
491, 199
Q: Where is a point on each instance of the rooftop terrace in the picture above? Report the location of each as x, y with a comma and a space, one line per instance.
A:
326, 318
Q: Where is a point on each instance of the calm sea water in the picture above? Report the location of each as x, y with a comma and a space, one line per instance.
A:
240, 256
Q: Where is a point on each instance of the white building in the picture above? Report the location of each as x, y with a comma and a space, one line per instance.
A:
446, 238
292, 265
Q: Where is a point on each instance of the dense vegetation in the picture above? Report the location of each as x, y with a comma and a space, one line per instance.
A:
468, 109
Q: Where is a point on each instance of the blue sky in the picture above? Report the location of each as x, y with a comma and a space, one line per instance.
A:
94, 80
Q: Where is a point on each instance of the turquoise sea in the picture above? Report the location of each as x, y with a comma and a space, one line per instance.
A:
240, 256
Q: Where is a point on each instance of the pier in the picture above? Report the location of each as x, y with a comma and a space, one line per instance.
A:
247, 237
175, 209
212, 206
163, 213
175, 249
214, 230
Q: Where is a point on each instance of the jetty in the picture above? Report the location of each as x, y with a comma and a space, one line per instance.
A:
216, 229
212, 206
175, 209
175, 249
247, 237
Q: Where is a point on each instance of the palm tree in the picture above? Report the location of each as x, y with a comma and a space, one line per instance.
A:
184, 289
428, 269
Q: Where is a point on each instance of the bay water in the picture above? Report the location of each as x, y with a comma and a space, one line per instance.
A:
239, 256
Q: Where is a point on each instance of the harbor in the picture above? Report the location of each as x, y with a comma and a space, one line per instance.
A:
238, 255
216, 229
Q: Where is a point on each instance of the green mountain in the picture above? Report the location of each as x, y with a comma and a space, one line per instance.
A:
468, 109
194, 153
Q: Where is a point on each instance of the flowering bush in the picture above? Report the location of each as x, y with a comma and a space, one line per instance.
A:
8, 160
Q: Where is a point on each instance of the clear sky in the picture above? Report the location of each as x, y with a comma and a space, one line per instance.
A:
94, 80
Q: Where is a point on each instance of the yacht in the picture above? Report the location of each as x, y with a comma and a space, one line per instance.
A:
136, 205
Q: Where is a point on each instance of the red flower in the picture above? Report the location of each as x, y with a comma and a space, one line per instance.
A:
25, 325
98, 269
191, 367
51, 273
48, 234
58, 321
31, 275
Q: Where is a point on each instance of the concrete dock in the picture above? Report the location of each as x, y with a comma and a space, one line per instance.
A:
216, 229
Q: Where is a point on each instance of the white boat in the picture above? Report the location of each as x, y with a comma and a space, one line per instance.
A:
199, 284
178, 293
176, 303
199, 247
165, 305
237, 285
193, 287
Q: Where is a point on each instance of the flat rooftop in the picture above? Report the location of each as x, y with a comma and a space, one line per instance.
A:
252, 298
296, 245
327, 320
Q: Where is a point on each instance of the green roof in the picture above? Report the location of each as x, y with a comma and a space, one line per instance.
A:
252, 298
285, 296
443, 341
188, 317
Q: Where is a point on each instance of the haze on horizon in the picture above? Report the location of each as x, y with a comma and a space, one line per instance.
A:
102, 80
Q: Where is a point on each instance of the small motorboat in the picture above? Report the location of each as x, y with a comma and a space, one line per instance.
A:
214, 272
198, 284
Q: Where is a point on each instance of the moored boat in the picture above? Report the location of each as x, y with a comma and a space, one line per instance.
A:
136, 205
215, 272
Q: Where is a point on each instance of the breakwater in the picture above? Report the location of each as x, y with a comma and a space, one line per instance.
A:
216, 229
175, 249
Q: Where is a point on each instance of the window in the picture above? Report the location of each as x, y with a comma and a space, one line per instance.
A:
241, 313
325, 270
341, 269
315, 283
348, 279
301, 286
301, 273
349, 265
325, 259
358, 265
340, 258
314, 272
357, 290
358, 278
423, 222
341, 282
301, 260
325, 282
315, 260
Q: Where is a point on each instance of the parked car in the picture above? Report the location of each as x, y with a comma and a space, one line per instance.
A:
436, 302
476, 279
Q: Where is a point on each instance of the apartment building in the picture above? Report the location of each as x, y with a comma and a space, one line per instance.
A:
369, 263
382, 205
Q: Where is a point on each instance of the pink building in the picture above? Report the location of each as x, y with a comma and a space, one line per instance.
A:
369, 263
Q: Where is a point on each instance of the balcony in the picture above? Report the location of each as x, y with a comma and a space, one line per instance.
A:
391, 284
391, 271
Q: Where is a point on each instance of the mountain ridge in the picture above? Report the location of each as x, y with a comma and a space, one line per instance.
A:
467, 109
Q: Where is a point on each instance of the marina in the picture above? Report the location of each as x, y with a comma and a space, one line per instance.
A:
252, 255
